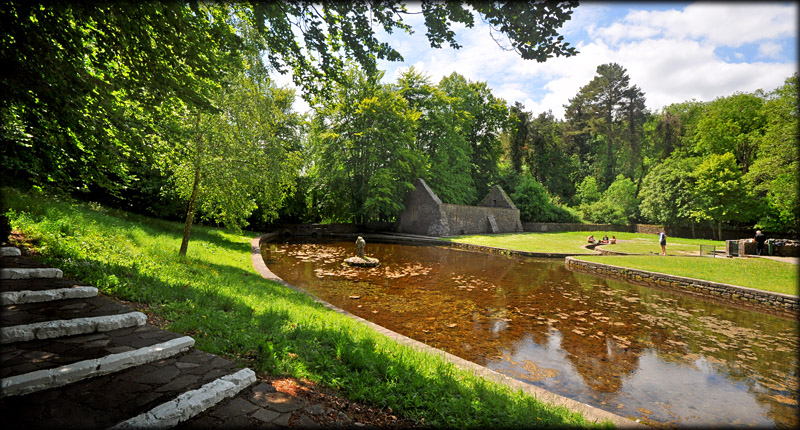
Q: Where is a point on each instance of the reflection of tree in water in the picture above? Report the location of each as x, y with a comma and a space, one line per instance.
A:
474, 305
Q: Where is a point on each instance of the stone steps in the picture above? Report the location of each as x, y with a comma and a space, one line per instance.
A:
71, 359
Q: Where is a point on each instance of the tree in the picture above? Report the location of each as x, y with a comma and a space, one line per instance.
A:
84, 84
335, 31
666, 193
535, 204
773, 176
588, 192
732, 124
364, 151
483, 120
518, 137
239, 159
604, 117
719, 191
439, 136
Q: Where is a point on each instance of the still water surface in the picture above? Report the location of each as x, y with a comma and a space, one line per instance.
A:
634, 351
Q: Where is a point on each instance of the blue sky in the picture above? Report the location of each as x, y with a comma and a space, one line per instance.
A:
674, 51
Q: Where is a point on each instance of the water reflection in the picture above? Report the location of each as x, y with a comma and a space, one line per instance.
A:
634, 351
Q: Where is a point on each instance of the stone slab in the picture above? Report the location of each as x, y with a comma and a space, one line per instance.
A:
59, 328
104, 401
50, 378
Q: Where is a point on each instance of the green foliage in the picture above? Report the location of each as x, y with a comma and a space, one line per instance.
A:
85, 84
439, 136
483, 118
667, 191
732, 124
364, 151
774, 174
719, 191
588, 192
535, 204
336, 31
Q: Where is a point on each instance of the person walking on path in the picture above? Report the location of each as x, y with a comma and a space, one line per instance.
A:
662, 239
760, 239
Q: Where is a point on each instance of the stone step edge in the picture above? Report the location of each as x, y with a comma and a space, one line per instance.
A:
191, 403
10, 251
51, 378
30, 273
61, 328
29, 296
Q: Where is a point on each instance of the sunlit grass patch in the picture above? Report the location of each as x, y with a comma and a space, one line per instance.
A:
760, 273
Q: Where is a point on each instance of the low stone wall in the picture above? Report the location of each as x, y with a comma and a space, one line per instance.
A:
541, 227
780, 247
774, 303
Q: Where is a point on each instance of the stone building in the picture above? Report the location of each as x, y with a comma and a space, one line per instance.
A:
425, 214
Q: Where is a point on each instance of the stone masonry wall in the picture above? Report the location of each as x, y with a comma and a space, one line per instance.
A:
426, 215
765, 301
475, 219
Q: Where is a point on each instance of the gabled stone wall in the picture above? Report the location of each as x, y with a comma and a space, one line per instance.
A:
426, 215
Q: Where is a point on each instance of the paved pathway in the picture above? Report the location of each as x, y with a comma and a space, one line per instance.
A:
72, 359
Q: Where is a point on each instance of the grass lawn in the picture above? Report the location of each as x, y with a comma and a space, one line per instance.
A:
217, 297
760, 273
573, 241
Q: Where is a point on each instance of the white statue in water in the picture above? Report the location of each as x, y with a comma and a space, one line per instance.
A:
360, 247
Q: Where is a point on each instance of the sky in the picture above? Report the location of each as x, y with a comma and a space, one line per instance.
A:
674, 52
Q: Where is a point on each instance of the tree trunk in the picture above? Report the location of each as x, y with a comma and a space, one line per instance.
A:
187, 227
693, 235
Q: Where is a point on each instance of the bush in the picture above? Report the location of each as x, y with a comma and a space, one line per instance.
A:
536, 205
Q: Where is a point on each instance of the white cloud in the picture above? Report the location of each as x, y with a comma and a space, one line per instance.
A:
770, 50
673, 55
720, 24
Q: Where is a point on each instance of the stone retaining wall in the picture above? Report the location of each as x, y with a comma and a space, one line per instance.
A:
774, 303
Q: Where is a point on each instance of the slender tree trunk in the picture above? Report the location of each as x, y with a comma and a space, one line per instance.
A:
187, 226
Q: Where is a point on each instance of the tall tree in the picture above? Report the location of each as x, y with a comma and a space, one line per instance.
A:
719, 192
732, 124
518, 136
666, 193
439, 136
83, 83
483, 121
774, 174
238, 159
365, 153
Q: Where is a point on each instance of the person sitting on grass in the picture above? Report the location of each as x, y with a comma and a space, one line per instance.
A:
613, 239
590, 239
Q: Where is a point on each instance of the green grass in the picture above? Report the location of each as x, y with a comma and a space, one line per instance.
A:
760, 273
215, 295
573, 242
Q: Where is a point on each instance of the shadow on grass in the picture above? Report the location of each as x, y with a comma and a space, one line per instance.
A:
328, 348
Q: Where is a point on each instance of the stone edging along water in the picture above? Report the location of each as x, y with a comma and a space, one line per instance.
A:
590, 412
775, 303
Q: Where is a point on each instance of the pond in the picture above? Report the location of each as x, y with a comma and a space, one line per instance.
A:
638, 352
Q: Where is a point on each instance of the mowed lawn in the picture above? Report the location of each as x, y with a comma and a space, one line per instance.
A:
572, 242
760, 273
682, 257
